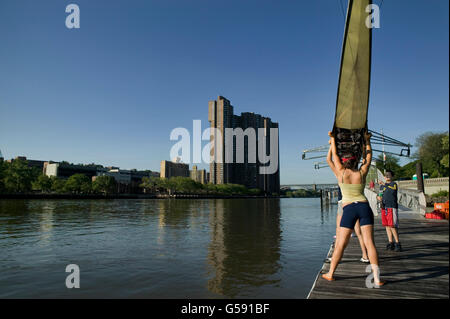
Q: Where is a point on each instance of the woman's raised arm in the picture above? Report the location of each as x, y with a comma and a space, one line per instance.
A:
330, 160
336, 160
365, 166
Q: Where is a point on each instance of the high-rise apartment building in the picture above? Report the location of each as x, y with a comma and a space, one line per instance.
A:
248, 173
220, 116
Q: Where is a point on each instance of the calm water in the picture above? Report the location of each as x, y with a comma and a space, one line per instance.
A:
257, 248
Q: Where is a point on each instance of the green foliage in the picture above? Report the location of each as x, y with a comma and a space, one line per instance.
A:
443, 193
407, 171
431, 152
78, 184
444, 160
302, 193
2, 176
104, 184
257, 191
186, 185
392, 163
147, 185
43, 183
58, 184
18, 177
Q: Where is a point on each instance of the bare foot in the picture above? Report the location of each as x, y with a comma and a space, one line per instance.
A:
328, 277
379, 284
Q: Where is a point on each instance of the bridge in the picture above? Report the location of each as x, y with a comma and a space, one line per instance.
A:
309, 186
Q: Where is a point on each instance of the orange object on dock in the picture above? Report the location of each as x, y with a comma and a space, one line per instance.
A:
443, 208
435, 214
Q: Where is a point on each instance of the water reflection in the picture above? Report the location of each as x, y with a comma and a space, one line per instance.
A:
46, 223
14, 218
244, 252
174, 213
163, 248
327, 211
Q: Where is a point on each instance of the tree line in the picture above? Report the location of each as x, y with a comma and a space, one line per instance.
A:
18, 177
301, 193
186, 185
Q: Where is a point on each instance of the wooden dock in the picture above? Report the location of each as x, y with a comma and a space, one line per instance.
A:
420, 271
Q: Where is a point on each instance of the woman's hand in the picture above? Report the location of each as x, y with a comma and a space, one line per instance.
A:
331, 135
367, 136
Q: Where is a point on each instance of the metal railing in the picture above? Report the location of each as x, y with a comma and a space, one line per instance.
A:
409, 198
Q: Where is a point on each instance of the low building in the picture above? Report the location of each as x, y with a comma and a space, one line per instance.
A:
172, 169
120, 175
65, 170
128, 181
31, 163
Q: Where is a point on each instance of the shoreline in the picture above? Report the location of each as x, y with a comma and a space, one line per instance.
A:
131, 196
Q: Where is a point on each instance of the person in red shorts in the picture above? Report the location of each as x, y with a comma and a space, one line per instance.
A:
389, 211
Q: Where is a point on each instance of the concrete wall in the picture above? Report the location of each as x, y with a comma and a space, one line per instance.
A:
432, 185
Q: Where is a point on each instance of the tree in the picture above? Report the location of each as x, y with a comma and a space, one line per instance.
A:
78, 184
254, 191
2, 175
104, 184
43, 183
391, 163
444, 160
185, 184
408, 170
151, 184
168, 184
58, 184
431, 152
18, 176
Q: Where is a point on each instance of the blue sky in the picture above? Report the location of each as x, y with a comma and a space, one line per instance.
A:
112, 91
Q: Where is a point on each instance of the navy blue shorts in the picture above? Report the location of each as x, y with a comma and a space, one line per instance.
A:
353, 212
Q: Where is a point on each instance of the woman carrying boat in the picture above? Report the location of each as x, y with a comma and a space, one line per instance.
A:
355, 205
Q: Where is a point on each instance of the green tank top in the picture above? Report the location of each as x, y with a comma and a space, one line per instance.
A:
352, 192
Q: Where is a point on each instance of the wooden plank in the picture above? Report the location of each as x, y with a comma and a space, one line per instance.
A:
420, 271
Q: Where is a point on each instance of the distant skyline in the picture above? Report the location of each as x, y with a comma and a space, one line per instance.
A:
112, 91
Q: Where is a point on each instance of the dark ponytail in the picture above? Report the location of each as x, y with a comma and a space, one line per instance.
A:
350, 163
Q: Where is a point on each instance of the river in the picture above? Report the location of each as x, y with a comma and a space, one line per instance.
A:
177, 248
